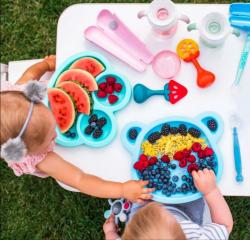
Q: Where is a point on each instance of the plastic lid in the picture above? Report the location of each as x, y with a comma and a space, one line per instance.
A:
166, 64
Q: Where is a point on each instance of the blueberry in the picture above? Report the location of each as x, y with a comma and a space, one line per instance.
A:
159, 187
157, 175
178, 190
168, 194
184, 177
165, 168
164, 191
68, 134
168, 172
175, 178
150, 185
174, 185
165, 180
173, 166
188, 180
184, 186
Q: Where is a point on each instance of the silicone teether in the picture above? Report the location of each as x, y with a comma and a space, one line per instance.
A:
172, 92
188, 50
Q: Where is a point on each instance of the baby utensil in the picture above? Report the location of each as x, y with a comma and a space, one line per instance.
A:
111, 34
172, 92
166, 64
214, 29
240, 18
163, 17
188, 50
234, 120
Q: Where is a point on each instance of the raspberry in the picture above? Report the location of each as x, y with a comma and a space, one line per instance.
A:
178, 155
133, 133
101, 94
112, 99
192, 167
138, 166
183, 129
191, 159
109, 90
196, 147
174, 130
153, 137
152, 161
110, 80
183, 163
165, 158
144, 164
201, 154
117, 87
101, 122
186, 152
143, 158
194, 132
165, 129
208, 152
102, 85
212, 125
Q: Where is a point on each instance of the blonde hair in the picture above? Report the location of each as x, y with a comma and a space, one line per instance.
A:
14, 110
149, 223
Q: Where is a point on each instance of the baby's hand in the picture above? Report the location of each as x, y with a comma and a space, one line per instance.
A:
51, 61
204, 181
135, 191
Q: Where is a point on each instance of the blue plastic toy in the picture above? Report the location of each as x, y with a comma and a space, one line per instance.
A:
200, 122
172, 92
101, 107
120, 208
240, 18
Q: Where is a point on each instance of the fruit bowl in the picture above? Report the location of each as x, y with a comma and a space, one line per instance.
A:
73, 99
167, 151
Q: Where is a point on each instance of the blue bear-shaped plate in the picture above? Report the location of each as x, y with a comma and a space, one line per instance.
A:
200, 122
101, 107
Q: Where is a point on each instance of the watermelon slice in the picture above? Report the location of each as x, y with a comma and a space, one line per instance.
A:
62, 108
79, 94
89, 64
82, 77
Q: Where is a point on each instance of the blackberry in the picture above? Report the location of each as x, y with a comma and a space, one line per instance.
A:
212, 125
93, 118
174, 130
194, 132
88, 130
97, 133
153, 137
101, 122
133, 133
165, 129
183, 129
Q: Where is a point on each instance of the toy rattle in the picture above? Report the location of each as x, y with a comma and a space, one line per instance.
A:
120, 208
172, 92
188, 50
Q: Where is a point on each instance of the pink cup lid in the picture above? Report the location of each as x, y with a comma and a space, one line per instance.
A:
166, 64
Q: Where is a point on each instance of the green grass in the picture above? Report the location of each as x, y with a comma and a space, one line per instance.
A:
34, 208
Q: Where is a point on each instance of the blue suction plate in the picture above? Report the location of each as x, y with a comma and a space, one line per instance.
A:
199, 122
101, 107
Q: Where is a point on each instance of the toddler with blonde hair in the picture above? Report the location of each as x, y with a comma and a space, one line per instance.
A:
154, 221
27, 140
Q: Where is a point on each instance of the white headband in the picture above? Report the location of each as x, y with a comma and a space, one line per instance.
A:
15, 149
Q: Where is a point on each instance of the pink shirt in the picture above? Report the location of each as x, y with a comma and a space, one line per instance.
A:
28, 164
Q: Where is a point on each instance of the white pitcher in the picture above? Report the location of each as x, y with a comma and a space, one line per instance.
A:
214, 29
163, 17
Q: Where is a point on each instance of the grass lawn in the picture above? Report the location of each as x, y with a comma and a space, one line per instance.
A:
34, 208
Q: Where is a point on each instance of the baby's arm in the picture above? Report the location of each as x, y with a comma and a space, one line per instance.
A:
36, 71
220, 212
61, 170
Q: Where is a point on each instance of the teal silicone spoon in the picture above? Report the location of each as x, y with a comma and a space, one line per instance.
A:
236, 146
172, 92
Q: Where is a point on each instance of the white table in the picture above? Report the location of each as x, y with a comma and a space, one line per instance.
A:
113, 161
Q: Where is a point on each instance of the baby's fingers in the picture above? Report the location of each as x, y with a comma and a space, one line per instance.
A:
195, 175
146, 196
148, 190
143, 183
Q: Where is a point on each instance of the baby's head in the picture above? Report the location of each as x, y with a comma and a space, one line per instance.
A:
14, 111
153, 221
